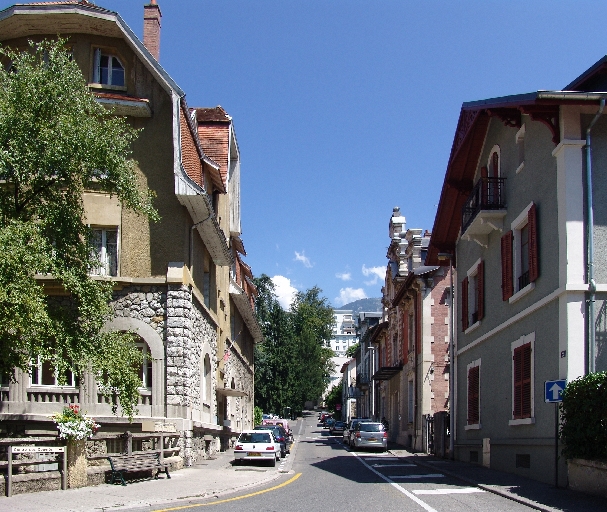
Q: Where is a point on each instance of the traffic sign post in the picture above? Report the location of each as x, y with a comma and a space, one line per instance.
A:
553, 393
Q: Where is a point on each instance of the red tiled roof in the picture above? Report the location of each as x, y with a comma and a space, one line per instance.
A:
215, 115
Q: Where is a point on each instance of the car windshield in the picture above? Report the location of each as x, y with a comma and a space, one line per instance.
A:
255, 437
371, 427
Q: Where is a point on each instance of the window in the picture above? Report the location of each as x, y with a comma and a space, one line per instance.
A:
411, 332
107, 69
42, 373
4, 380
522, 380
145, 371
206, 380
105, 246
411, 402
520, 263
473, 419
473, 295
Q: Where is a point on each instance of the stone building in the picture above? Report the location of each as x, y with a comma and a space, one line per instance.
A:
180, 284
412, 344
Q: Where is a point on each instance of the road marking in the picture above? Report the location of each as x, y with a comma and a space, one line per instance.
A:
394, 465
429, 475
464, 490
412, 497
235, 498
382, 458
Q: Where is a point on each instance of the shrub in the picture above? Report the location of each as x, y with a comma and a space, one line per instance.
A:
584, 417
257, 415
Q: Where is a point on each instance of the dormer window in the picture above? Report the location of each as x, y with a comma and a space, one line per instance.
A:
107, 69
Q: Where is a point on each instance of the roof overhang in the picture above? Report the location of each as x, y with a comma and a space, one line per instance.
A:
197, 202
387, 372
231, 392
542, 106
243, 304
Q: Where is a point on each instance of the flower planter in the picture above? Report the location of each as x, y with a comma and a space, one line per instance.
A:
76, 463
588, 476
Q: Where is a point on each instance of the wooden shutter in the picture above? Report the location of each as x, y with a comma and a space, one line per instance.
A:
522, 382
480, 290
473, 395
405, 337
484, 185
465, 304
533, 249
507, 285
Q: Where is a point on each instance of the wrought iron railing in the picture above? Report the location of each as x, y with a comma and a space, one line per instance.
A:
488, 194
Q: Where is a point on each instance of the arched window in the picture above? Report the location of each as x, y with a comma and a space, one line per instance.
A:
145, 371
206, 380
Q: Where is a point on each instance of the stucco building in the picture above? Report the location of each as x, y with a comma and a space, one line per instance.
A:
180, 284
531, 291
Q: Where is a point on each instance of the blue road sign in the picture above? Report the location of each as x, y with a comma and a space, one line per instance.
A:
553, 390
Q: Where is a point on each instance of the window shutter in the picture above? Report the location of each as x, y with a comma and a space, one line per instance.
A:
480, 290
484, 185
533, 249
473, 395
405, 337
522, 382
507, 286
465, 304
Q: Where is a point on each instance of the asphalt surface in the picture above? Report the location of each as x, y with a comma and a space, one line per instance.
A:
318, 472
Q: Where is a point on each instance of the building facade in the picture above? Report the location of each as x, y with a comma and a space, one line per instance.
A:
531, 291
179, 284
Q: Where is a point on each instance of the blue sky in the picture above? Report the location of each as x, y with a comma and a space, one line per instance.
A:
345, 109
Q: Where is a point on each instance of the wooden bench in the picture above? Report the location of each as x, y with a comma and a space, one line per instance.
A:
137, 462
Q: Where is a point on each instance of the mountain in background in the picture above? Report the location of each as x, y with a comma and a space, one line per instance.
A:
367, 305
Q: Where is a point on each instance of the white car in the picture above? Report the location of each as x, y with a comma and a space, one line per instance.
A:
257, 445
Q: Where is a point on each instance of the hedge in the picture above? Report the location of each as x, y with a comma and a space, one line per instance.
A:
584, 417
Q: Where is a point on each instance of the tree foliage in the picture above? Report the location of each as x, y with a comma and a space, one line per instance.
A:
293, 363
56, 142
334, 398
584, 417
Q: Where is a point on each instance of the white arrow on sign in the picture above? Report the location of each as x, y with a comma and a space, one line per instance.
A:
555, 390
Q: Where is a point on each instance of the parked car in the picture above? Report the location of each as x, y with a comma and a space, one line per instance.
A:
328, 422
370, 435
279, 421
337, 428
350, 427
257, 445
280, 435
323, 417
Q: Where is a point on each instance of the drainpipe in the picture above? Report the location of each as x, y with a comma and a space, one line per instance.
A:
590, 244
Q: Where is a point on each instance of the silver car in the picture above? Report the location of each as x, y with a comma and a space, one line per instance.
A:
369, 435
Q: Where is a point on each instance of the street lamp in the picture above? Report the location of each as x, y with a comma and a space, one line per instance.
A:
443, 256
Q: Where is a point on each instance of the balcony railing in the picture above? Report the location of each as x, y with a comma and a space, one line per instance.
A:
488, 194
362, 380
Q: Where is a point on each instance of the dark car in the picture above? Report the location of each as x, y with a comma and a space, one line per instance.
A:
337, 428
280, 435
328, 422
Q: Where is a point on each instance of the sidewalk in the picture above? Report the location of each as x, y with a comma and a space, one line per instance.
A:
537, 495
208, 478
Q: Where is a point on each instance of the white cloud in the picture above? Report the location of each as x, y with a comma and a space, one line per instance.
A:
303, 258
347, 295
376, 273
284, 290
344, 276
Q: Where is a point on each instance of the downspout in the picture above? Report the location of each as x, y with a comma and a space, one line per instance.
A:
590, 244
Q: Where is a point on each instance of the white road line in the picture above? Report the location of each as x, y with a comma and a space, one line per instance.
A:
464, 490
412, 497
394, 465
429, 475
382, 458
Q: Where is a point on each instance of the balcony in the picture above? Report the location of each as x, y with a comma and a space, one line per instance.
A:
484, 210
362, 381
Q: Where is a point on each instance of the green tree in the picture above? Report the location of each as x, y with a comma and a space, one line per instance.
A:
334, 398
56, 142
293, 363
352, 349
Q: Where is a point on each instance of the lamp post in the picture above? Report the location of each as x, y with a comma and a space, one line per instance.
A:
443, 256
371, 383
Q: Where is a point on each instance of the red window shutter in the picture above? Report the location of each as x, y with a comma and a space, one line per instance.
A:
522, 382
406, 337
534, 270
507, 285
465, 304
473, 395
480, 291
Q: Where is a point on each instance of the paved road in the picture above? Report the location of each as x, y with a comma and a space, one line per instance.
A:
325, 476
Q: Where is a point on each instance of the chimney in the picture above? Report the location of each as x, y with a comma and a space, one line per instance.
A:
151, 28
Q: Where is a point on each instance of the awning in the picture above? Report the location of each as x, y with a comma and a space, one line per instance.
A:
387, 372
231, 392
